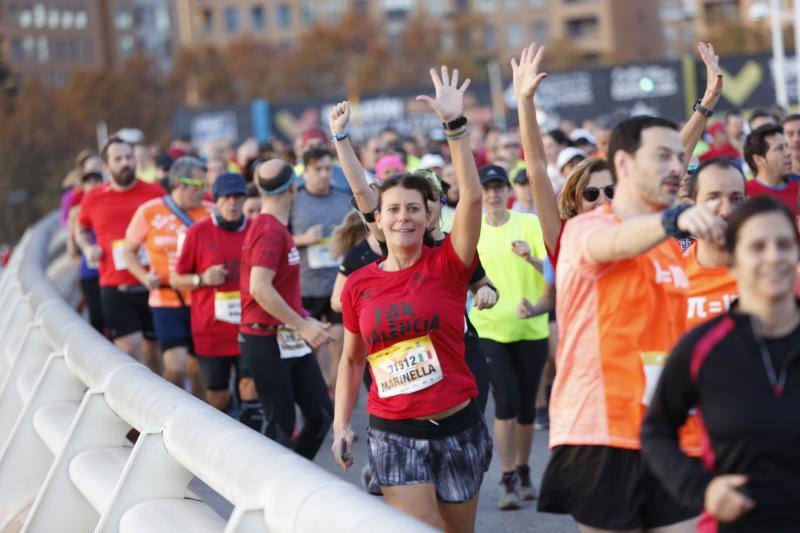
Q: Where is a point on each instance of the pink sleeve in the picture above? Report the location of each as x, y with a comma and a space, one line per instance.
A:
578, 232
137, 228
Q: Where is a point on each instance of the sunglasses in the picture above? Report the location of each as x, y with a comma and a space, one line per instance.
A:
591, 194
194, 182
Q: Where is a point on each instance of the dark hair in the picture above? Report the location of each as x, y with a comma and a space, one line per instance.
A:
758, 205
760, 112
315, 154
732, 113
411, 182
791, 118
719, 162
109, 142
756, 143
560, 137
627, 136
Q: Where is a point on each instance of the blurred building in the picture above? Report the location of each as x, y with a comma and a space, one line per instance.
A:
598, 29
49, 39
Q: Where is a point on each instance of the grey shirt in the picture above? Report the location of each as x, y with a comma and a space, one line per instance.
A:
317, 270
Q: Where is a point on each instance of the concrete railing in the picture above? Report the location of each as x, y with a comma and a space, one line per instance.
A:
68, 398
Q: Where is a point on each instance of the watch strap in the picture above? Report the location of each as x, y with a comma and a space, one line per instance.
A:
453, 125
706, 112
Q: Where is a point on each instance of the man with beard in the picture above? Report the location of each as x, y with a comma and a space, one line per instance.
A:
107, 210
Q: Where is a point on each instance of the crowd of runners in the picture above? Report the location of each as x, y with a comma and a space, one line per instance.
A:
629, 285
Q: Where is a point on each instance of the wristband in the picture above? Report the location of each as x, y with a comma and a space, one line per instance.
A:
455, 136
706, 112
369, 217
197, 280
340, 136
455, 124
669, 221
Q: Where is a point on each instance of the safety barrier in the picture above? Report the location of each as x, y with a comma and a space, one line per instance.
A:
68, 398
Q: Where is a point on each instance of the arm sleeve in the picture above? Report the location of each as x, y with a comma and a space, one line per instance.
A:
137, 228
349, 311
479, 273
187, 261
682, 476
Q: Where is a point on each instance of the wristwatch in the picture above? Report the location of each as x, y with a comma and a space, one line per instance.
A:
455, 124
197, 280
706, 112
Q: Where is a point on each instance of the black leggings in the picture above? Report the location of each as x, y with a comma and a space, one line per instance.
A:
90, 287
515, 369
283, 382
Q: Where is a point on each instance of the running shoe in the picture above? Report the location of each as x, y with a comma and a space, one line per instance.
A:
509, 498
526, 489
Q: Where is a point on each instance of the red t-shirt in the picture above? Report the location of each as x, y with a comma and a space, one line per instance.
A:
269, 244
108, 213
206, 244
786, 193
77, 198
726, 150
427, 298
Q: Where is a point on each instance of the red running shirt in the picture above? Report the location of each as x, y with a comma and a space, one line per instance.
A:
206, 245
786, 193
108, 213
427, 298
269, 244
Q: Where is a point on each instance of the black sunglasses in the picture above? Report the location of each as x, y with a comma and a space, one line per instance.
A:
591, 194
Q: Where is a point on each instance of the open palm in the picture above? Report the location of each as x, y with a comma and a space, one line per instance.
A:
713, 70
526, 73
449, 100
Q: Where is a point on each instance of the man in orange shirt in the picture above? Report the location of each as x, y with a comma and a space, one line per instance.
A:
160, 226
621, 305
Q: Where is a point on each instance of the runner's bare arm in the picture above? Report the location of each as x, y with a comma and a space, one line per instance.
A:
526, 80
694, 127
366, 198
448, 104
145, 277
545, 304
261, 288
639, 234
92, 252
348, 380
336, 295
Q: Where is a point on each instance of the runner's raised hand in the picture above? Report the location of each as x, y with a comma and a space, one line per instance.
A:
339, 117
526, 73
449, 100
713, 70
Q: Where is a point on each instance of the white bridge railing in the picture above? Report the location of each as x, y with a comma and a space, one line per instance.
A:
68, 398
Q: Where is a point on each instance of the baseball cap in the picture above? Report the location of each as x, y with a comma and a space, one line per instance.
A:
228, 184
432, 161
582, 133
521, 177
568, 154
389, 161
491, 173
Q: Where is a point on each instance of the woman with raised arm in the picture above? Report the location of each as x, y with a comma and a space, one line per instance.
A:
587, 191
428, 443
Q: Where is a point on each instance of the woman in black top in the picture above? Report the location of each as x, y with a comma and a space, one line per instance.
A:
741, 372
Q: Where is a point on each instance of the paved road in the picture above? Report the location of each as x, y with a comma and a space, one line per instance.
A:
490, 519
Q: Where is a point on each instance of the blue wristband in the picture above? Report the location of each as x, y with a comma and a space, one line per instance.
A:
340, 136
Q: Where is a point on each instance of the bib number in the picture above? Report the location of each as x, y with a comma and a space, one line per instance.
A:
291, 344
406, 367
228, 307
319, 255
118, 255
653, 364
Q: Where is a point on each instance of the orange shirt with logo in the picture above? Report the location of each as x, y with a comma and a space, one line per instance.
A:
156, 227
617, 322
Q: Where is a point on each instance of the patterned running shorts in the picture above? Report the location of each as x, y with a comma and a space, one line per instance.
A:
454, 464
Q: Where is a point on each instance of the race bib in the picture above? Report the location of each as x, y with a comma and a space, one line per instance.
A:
291, 344
319, 255
405, 367
228, 306
653, 363
118, 255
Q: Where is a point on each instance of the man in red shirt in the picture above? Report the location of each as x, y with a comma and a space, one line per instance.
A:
768, 156
720, 145
107, 210
209, 265
276, 334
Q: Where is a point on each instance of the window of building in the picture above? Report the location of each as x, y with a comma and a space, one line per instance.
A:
582, 28
39, 15
486, 6
284, 16
67, 19
81, 19
59, 49
397, 10
336, 9
285, 44
437, 8
537, 4
540, 31
59, 78
162, 21
42, 49
25, 18
207, 20
231, 19
53, 19
72, 49
85, 49
17, 52
123, 18
514, 36
29, 47
512, 5
489, 36
309, 13
126, 45
258, 18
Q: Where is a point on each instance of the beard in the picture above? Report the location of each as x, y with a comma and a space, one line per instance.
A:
125, 177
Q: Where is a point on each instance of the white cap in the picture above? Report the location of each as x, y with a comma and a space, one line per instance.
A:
566, 155
431, 161
582, 133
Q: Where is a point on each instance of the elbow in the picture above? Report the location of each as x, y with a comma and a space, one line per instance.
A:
336, 305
